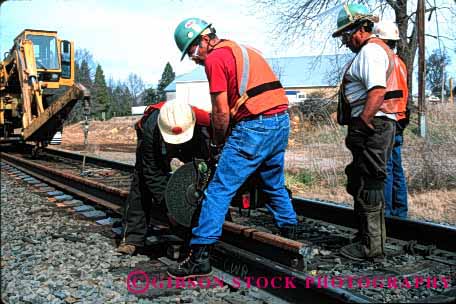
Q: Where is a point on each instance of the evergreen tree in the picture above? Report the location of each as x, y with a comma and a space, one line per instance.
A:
150, 97
168, 76
126, 100
82, 74
100, 99
435, 64
116, 104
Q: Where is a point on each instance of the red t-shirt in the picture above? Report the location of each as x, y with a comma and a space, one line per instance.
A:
220, 68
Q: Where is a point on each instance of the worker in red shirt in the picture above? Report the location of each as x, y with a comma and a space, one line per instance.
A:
250, 127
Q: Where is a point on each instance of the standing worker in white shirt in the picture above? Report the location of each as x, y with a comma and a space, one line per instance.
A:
367, 102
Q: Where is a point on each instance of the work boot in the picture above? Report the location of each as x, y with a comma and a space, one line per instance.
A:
372, 242
359, 225
289, 231
357, 237
125, 248
197, 264
383, 223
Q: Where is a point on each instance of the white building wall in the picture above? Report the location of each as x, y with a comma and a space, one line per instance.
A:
195, 93
138, 110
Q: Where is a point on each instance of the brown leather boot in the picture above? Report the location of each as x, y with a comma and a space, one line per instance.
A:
125, 248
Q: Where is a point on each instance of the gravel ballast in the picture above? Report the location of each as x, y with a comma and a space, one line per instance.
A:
49, 255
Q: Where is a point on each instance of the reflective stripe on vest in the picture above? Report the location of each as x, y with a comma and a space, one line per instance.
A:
245, 70
258, 87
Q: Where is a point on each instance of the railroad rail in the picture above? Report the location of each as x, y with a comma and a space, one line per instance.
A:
248, 250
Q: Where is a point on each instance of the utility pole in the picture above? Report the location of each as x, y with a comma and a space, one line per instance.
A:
421, 70
442, 94
442, 58
451, 90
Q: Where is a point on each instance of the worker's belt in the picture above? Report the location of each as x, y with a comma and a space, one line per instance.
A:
384, 118
268, 86
394, 94
261, 116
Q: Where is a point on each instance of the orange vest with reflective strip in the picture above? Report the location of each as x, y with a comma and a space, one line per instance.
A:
396, 94
258, 86
203, 118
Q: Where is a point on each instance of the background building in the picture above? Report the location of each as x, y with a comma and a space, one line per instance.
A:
304, 77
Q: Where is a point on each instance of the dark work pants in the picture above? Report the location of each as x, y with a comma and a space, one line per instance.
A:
134, 218
146, 192
367, 172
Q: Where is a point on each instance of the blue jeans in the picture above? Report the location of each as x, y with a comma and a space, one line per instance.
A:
395, 183
254, 146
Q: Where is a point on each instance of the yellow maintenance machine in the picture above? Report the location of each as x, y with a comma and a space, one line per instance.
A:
37, 88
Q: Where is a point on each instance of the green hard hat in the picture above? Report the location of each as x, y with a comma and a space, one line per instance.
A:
187, 31
351, 14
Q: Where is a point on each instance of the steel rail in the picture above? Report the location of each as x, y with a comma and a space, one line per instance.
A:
399, 228
92, 160
243, 251
90, 191
274, 247
404, 229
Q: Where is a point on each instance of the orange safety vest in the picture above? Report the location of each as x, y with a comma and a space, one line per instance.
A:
203, 118
259, 88
396, 94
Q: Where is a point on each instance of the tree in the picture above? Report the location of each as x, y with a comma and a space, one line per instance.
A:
303, 19
135, 86
100, 98
82, 74
167, 77
150, 97
435, 65
84, 55
122, 100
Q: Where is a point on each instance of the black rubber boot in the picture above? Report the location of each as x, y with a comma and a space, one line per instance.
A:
197, 264
359, 234
373, 233
289, 231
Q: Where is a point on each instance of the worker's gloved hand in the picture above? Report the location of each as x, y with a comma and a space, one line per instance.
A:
214, 153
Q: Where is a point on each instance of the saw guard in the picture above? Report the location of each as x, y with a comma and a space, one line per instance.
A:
184, 191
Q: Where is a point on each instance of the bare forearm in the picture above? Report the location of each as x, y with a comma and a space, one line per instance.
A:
375, 98
220, 117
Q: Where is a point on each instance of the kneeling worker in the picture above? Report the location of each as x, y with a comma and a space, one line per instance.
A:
167, 130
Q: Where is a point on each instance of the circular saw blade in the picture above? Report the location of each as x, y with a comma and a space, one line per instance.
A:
182, 194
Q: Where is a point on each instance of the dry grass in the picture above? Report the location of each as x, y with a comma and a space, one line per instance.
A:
434, 205
118, 130
317, 157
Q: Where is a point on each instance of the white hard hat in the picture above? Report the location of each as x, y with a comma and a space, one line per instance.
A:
386, 30
176, 122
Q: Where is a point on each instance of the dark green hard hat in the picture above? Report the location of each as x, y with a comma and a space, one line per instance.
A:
187, 31
351, 14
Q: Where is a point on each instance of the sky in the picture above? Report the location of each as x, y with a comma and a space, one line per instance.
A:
137, 36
